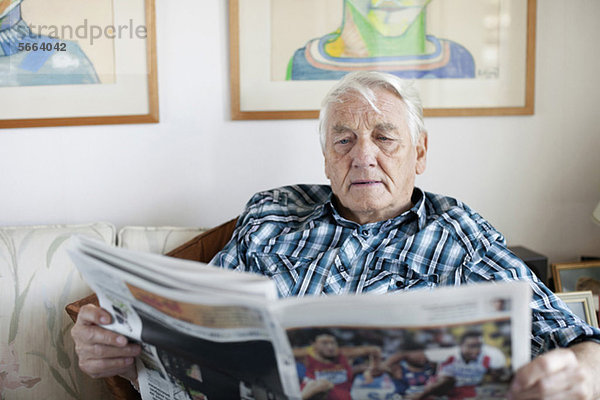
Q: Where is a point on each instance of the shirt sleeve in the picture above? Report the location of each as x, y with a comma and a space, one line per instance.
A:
553, 323
230, 257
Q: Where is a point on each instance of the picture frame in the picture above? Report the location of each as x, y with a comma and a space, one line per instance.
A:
581, 304
567, 275
124, 89
264, 45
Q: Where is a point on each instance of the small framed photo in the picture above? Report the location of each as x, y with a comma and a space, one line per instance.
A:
578, 276
582, 305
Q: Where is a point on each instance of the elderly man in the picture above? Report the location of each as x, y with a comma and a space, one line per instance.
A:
373, 231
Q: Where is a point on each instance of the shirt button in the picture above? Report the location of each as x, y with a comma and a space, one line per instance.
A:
365, 232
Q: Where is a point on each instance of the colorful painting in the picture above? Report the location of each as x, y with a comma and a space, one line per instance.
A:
84, 62
43, 43
467, 57
383, 35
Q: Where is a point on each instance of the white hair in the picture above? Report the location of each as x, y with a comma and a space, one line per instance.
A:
362, 83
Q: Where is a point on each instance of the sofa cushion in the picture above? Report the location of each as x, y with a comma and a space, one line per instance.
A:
153, 239
37, 280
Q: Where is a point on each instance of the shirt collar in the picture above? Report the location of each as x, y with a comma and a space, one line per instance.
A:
418, 199
417, 210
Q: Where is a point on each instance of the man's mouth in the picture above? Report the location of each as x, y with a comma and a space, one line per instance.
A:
364, 183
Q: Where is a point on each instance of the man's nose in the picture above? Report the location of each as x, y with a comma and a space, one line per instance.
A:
364, 153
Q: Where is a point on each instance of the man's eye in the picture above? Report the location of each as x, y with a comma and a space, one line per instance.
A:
343, 141
383, 138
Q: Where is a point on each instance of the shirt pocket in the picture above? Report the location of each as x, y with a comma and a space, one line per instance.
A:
288, 272
389, 275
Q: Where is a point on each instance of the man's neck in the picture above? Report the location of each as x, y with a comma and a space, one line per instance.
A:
363, 218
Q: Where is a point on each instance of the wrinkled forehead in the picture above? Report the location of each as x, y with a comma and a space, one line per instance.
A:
352, 109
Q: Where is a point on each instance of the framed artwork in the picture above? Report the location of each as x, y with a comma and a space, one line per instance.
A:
582, 305
467, 57
571, 277
77, 63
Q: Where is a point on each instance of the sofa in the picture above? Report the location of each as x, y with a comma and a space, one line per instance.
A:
37, 282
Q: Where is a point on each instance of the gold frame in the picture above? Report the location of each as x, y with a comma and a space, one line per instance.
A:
151, 117
238, 114
557, 268
586, 298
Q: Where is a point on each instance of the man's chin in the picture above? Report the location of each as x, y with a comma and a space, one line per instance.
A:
367, 193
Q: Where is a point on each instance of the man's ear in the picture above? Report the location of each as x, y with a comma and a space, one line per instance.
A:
421, 149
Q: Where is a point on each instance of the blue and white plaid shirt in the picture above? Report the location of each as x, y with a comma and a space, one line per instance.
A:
295, 236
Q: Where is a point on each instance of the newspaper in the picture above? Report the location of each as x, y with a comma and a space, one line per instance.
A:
208, 333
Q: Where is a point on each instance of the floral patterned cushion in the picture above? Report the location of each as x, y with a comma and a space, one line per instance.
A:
37, 280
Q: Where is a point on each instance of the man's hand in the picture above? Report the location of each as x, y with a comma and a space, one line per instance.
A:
570, 373
101, 352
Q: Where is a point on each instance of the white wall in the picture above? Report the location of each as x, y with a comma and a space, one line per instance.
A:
536, 178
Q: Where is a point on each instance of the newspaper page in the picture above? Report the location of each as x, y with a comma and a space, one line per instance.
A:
450, 343
213, 343
212, 334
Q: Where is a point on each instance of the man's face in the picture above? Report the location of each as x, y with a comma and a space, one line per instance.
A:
390, 17
471, 348
416, 358
326, 346
370, 159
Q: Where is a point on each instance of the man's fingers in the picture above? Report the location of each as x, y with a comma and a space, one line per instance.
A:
92, 334
91, 314
546, 365
102, 368
99, 351
86, 329
555, 375
572, 392
555, 386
